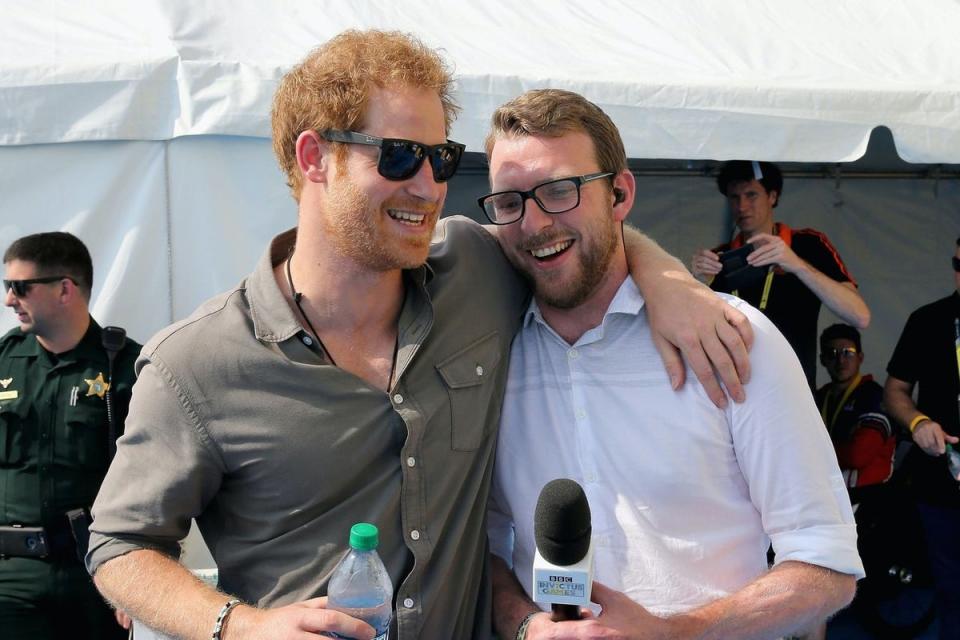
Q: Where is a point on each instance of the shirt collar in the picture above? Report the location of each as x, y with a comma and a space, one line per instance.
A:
273, 319
89, 348
628, 300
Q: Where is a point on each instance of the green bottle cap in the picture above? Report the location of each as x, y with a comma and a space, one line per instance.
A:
364, 536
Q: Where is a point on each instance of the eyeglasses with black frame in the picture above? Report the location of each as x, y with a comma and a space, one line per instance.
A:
400, 159
832, 355
554, 196
22, 287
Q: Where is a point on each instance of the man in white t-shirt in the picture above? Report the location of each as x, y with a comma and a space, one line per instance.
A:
685, 497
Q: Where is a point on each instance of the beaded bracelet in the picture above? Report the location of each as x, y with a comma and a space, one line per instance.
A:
222, 617
913, 423
522, 629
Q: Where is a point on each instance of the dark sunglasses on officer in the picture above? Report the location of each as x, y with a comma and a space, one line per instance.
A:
21, 288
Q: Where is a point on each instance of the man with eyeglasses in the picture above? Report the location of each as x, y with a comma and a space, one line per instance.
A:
787, 273
684, 497
850, 405
54, 439
356, 375
927, 357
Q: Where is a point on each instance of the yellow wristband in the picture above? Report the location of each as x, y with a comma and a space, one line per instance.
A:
920, 418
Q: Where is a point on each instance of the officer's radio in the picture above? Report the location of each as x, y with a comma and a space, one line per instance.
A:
113, 340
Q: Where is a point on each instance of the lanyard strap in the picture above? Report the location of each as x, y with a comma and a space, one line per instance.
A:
843, 400
765, 297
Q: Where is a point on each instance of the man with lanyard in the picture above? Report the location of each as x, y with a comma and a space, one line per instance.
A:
356, 375
790, 271
59, 389
928, 356
850, 405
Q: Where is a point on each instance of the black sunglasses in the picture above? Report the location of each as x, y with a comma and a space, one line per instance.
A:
554, 196
22, 287
401, 159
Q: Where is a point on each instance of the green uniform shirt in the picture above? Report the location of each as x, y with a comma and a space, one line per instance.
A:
53, 424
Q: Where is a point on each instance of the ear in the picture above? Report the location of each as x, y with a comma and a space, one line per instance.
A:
774, 196
68, 291
314, 156
624, 190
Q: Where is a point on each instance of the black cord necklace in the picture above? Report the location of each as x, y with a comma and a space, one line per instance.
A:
297, 296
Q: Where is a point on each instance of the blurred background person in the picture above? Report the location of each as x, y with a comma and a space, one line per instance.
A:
927, 357
789, 273
850, 405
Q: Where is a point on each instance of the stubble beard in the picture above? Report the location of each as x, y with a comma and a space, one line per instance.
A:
595, 257
354, 228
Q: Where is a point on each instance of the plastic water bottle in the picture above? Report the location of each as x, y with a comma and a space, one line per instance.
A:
360, 586
953, 462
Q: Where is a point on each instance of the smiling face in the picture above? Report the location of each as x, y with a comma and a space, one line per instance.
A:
565, 256
751, 206
379, 223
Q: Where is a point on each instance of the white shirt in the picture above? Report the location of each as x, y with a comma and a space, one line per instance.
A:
684, 497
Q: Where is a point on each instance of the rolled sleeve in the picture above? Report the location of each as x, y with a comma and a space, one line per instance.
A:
164, 473
788, 461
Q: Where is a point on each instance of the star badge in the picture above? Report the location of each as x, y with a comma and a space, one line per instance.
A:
98, 386
5, 382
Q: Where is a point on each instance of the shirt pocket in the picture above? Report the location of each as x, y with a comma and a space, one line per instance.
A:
15, 439
469, 379
84, 441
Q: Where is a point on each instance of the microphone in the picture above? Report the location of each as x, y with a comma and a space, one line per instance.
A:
563, 563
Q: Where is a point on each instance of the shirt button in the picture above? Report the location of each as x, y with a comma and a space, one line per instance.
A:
415, 535
573, 354
479, 370
581, 414
411, 461
408, 603
44, 436
398, 398
591, 477
307, 340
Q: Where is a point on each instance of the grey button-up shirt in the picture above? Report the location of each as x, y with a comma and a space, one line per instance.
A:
240, 423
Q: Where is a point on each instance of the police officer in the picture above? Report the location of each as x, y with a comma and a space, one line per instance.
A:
56, 379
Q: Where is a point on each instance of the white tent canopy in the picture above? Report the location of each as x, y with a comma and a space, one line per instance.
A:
797, 81
143, 127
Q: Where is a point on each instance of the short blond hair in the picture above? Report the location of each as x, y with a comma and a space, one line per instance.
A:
330, 88
553, 113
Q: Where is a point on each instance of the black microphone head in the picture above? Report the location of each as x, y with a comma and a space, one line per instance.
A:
561, 522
